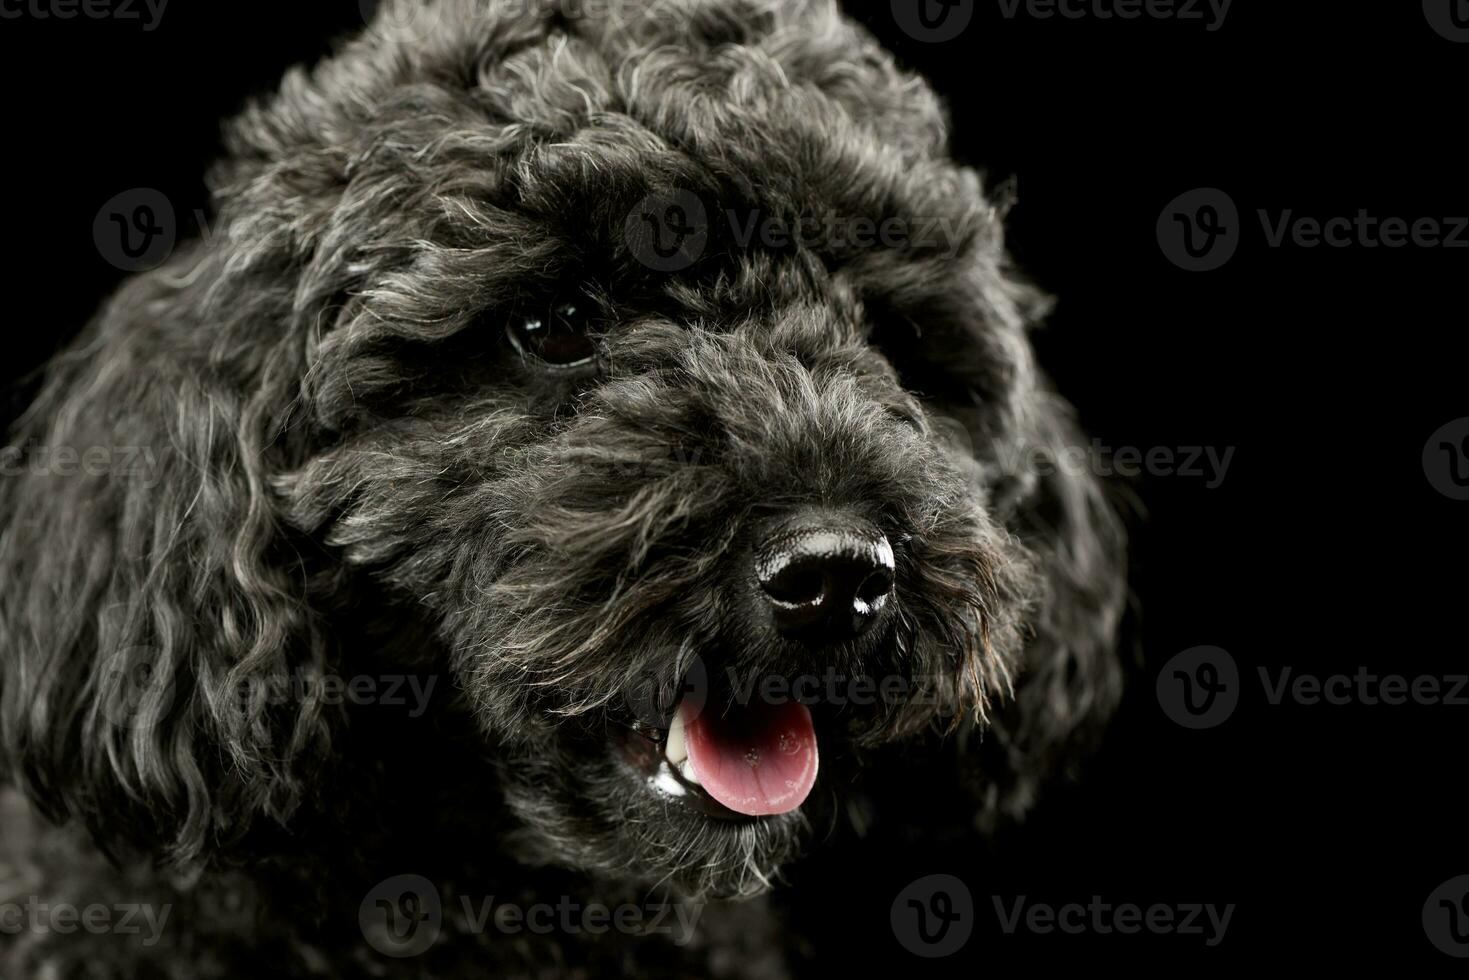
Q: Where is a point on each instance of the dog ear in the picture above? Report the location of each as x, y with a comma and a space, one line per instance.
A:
1070, 679
153, 626
158, 653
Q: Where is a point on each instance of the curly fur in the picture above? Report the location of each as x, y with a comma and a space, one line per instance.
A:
353, 474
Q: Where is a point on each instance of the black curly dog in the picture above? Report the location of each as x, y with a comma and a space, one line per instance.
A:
571, 422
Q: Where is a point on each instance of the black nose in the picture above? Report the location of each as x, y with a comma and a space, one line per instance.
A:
826, 577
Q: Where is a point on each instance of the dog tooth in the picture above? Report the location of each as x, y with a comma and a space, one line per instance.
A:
675, 750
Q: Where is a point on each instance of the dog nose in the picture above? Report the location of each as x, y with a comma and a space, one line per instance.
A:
826, 577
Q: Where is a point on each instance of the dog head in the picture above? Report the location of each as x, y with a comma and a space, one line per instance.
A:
629, 362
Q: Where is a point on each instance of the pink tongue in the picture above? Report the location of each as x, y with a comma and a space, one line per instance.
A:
756, 759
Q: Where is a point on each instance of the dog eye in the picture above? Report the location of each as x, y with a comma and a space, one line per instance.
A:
560, 337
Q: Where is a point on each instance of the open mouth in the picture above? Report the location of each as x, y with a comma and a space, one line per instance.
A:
736, 762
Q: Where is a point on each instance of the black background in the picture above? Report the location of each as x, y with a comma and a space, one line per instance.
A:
1325, 548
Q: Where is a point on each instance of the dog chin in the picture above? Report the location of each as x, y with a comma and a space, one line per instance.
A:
624, 817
